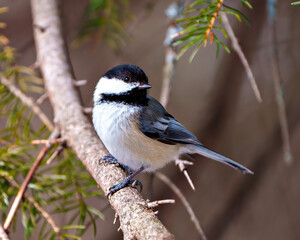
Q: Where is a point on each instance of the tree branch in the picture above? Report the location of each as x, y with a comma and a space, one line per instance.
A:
136, 221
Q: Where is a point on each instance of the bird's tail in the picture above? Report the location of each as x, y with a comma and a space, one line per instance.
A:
200, 149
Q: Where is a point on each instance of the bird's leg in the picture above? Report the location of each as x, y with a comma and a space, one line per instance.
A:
110, 159
126, 181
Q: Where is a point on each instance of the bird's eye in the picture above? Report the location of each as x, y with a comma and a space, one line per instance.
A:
127, 79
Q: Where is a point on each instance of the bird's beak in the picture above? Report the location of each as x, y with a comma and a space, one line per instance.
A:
144, 86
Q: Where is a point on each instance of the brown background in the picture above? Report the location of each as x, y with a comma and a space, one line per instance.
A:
212, 98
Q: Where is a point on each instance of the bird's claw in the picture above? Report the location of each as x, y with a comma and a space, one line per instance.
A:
112, 160
127, 181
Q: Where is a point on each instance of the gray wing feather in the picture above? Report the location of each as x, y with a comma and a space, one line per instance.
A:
158, 124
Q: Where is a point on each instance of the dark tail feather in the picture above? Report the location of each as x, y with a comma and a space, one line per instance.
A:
200, 149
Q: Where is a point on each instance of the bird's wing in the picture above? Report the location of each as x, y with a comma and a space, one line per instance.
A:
158, 124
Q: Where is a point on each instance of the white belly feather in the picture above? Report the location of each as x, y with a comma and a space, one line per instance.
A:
119, 133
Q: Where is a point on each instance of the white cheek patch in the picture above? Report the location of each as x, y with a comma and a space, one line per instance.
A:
112, 86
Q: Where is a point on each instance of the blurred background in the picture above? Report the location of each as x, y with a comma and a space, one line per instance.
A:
212, 97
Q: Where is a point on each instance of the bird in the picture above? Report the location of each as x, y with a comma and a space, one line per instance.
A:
137, 130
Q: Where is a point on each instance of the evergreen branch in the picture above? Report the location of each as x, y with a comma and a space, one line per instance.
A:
136, 221
105, 20
22, 190
20, 194
28, 102
44, 213
201, 19
241, 55
211, 23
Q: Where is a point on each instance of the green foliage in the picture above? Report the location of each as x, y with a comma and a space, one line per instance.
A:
200, 23
295, 3
68, 186
62, 187
105, 20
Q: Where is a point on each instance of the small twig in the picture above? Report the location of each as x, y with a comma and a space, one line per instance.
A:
241, 55
48, 141
87, 110
79, 83
27, 179
3, 235
36, 64
57, 151
27, 101
181, 164
182, 198
155, 204
116, 218
41, 99
184, 162
45, 214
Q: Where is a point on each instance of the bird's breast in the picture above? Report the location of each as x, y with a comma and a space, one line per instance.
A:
118, 128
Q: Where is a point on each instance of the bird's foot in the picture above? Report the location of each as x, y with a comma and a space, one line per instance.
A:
127, 181
113, 160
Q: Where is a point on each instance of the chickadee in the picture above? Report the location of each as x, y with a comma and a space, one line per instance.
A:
137, 130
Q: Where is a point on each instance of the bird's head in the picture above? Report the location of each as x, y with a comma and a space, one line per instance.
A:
124, 84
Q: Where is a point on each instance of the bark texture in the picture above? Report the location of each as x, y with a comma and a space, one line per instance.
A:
137, 222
